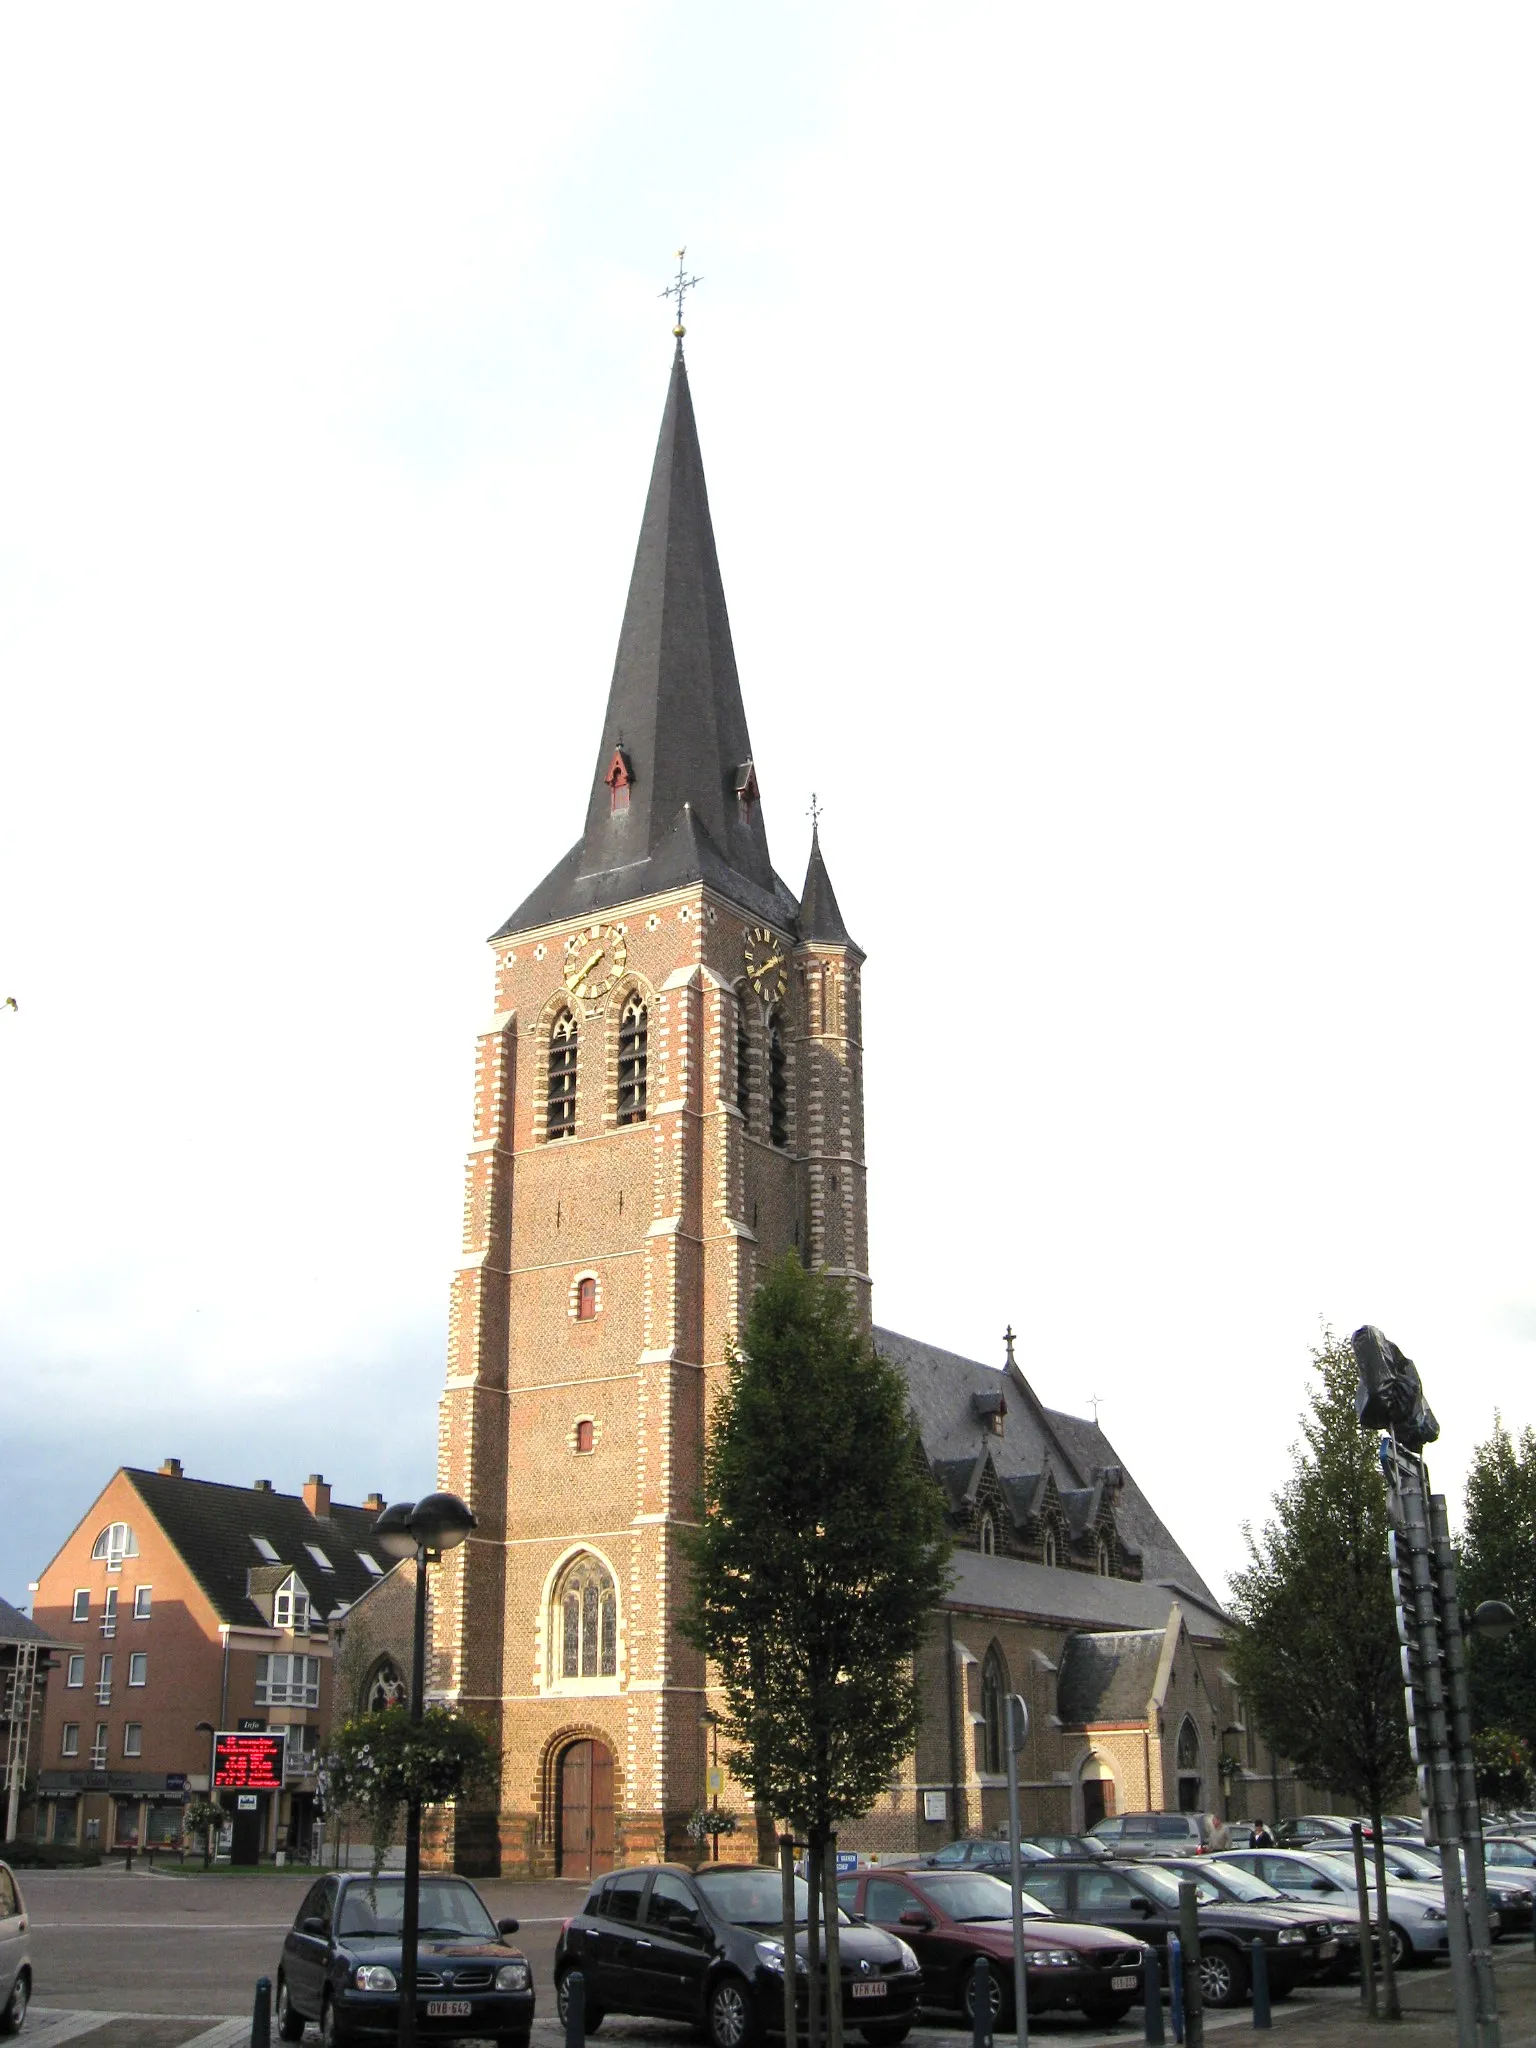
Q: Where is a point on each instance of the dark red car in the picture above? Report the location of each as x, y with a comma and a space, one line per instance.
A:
950, 1917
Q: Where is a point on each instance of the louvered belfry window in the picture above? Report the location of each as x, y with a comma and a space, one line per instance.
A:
778, 1082
632, 1061
561, 1121
743, 1060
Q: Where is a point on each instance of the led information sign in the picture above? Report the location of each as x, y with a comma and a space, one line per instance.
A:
248, 1763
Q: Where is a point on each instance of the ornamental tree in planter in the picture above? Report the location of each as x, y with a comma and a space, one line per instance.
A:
379, 1761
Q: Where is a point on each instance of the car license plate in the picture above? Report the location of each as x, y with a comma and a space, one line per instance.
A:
1329, 1948
1123, 1983
449, 2008
869, 1991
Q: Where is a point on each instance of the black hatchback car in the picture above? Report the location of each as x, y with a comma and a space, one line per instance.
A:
708, 1946
341, 1964
1143, 1900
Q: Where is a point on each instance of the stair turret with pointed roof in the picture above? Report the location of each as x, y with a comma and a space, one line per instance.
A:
674, 793
821, 922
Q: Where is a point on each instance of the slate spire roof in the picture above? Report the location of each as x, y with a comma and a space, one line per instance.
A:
820, 917
674, 793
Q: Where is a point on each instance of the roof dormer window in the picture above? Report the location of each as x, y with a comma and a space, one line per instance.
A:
290, 1605
320, 1557
264, 1549
746, 786
619, 777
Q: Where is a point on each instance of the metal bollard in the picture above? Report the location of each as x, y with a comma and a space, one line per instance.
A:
1152, 1994
261, 2018
575, 2009
1176, 1985
1261, 2013
981, 2004
127, 1862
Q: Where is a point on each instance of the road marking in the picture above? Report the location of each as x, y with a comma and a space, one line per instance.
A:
162, 1926
49, 2028
227, 2034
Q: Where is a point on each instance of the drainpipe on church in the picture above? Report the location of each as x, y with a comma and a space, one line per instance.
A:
954, 1731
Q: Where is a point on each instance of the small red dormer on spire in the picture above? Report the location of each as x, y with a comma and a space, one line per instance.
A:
620, 775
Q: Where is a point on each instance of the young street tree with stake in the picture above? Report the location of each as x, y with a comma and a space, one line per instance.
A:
1316, 1651
821, 1555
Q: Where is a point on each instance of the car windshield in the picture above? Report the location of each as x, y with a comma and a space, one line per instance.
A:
754, 1898
1165, 1889
967, 1896
445, 1906
1242, 1884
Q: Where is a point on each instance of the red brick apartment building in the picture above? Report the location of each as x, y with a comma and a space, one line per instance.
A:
184, 1606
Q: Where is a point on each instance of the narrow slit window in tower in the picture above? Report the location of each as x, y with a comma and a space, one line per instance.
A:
743, 1060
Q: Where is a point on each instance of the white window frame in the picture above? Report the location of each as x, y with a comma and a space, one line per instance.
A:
133, 1738
104, 1680
142, 1602
138, 1663
114, 1543
109, 1613
299, 1685
74, 1672
82, 1609
291, 1605
69, 1741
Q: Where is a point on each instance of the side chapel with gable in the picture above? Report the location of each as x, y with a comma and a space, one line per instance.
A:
668, 1095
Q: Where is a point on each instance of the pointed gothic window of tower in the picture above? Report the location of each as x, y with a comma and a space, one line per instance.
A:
743, 1060
1048, 1545
561, 1120
632, 1062
586, 1616
620, 775
986, 1535
778, 1082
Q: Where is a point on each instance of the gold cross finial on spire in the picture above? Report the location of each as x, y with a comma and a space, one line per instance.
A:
679, 289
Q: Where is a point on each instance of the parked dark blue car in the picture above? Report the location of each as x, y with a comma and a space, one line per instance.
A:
341, 1964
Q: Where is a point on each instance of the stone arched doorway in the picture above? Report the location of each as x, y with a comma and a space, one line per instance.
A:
1098, 1785
584, 1809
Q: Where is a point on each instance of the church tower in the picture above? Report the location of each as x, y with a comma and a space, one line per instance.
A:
668, 1096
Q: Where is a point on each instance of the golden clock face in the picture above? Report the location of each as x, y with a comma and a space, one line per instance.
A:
766, 955
594, 960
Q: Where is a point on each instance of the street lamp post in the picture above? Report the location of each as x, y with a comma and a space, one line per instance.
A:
711, 1720
438, 1523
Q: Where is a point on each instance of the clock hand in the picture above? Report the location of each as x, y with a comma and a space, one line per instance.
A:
586, 970
775, 960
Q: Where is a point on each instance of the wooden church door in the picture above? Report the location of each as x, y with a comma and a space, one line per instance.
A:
586, 1810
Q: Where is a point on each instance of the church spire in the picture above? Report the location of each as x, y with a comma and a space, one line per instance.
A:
820, 918
674, 794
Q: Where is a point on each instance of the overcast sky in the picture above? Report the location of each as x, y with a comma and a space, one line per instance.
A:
1119, 423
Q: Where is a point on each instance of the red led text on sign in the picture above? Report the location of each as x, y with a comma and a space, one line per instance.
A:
248, 1763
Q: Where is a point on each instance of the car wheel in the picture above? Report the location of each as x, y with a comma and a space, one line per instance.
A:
592, 2016
1223, 1977
997, 1992
14, 2016
1401, 1948
334, 2031
1110, 2014
729, 2014
290, 2024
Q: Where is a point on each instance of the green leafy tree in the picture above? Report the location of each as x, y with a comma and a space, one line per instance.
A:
1498, 1562
821, 1555
1315, 1650
1503, 1763
377, 1762
203, 1817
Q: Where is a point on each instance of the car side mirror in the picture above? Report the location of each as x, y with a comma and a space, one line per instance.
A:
506, 1927
312, 1924
1143, 1907
914, 1916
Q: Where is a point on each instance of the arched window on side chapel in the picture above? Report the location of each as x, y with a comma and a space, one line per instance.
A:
994, 1685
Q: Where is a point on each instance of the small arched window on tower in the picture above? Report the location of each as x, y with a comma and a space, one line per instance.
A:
561, 1120
743, 1060
1048, 1544
994, 1685
986, 1534
1104, 1560
586, 1299
778, 1081
620, 775
586, 1619
633, 1033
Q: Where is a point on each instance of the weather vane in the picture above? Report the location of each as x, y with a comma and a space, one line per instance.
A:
814, 813
679, 289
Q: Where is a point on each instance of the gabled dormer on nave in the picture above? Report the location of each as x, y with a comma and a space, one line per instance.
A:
669, 1095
